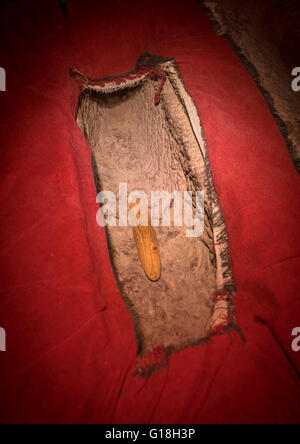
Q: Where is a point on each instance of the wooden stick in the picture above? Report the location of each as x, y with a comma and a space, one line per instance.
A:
148, 248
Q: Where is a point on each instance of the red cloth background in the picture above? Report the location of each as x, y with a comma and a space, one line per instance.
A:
70, 341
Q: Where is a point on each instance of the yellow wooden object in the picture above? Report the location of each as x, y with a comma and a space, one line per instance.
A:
148, 249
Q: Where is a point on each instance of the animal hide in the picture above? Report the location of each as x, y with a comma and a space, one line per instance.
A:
144, 130
266, 45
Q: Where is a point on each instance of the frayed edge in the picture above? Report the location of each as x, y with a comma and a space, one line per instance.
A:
146, 368
158, 358
147, 67
153, 362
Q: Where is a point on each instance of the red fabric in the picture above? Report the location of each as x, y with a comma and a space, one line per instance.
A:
70, 341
